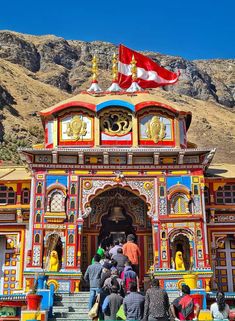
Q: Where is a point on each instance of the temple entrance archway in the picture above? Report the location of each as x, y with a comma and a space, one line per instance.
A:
115, 213
119, 213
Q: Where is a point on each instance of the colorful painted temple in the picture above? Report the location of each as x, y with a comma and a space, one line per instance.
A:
112, 164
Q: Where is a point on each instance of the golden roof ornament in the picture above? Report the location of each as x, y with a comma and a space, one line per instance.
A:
134, 87
115, 86
94, 85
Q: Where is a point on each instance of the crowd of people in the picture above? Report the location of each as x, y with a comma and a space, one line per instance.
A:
114, 286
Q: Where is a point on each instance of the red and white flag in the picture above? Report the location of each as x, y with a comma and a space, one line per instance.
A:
149, 74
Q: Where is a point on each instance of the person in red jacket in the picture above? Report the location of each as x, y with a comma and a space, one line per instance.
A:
132, 251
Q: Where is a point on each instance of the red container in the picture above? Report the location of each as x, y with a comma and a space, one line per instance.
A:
33, 301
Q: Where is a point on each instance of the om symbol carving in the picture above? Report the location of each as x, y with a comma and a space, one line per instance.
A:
116, 123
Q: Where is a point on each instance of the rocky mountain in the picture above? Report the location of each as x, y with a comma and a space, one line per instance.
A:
39, 71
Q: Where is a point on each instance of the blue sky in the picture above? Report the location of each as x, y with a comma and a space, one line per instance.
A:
192, 29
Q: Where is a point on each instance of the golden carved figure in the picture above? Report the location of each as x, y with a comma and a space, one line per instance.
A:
155, 129
76, 128
54, 262
117, 123
179, 262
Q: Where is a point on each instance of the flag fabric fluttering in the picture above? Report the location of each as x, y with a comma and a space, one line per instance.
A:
149, 73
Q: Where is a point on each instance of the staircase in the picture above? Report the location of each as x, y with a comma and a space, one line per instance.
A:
70, 307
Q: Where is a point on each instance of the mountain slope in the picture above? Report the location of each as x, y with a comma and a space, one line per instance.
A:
39, 71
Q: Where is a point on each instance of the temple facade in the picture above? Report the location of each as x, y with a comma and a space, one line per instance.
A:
114, 164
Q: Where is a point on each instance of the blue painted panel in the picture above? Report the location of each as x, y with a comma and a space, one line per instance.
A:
52, 179
184, 180
120, 103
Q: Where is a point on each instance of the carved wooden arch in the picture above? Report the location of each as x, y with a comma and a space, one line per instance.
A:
176, 232
56, 186
123, 201
178, 189
141, 188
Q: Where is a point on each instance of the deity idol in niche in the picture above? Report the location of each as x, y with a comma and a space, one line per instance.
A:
179, 262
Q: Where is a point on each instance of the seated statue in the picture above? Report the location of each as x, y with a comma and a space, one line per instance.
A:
179, 262
54, 262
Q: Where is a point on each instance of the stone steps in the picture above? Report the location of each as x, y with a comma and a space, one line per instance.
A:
71, 307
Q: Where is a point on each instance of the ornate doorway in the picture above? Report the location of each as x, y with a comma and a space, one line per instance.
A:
115, 213
118, 211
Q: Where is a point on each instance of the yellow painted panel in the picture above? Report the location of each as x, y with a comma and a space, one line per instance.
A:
161, 179
104, 172
37, 225
195, 179
25, 185
74, 178
71, 226
179, 172
217, 185
154, 173
130, 173
81, 172
205, 315
33, 315
167, 160
13, 185
56, 171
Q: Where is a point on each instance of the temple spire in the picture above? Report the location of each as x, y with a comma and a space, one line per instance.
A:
115, 86
94, 85
134, 86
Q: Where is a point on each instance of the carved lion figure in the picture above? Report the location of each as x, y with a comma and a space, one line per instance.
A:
54, 262
179, 262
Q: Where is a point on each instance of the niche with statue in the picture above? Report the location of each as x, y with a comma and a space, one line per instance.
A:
53, 253
180, 253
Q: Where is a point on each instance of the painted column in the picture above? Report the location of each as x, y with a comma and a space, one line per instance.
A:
79, 243
204, 224
155, 244
29, 236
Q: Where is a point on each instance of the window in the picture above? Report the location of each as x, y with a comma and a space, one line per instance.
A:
7, 195
25, 196
71, 238
39, 188
71, 218
37, 238
57, 202
38, 204
72, 204
38, 218
225, 194
73, 189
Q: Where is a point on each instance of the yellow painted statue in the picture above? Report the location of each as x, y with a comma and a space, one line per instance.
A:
179, 262
54, 262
